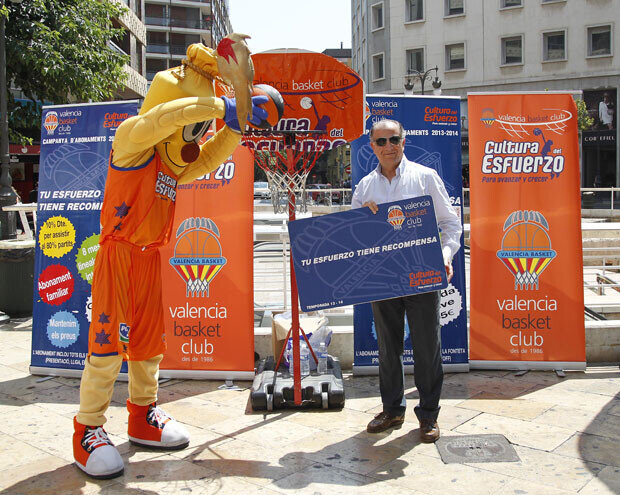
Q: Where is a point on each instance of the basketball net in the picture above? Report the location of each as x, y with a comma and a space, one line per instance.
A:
287, 168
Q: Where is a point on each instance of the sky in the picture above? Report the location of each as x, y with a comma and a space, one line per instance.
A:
312, 25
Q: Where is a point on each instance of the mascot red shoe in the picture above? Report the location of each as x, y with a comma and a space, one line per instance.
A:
152, 153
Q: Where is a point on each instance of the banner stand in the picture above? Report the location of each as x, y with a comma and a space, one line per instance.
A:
527, 365
409, 369
178, 374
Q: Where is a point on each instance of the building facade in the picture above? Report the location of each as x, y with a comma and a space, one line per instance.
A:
173, 25
499, 45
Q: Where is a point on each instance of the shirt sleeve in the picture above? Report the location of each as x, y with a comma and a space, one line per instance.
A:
447, 220
357, 199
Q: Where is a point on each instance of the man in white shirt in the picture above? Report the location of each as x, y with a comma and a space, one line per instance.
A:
606, 112
397, 178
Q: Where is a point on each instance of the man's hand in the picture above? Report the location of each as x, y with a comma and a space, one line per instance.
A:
372, 205
449, 271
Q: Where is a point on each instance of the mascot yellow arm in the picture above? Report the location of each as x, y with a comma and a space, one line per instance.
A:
140, 133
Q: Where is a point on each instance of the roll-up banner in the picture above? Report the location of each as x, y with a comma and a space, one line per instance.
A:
207, 334
75, 150
526, 251
207, 269
433, 139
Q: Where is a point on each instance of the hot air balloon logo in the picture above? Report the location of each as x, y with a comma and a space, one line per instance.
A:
51, 122
396, 217
487, 117
197, 255
526, 247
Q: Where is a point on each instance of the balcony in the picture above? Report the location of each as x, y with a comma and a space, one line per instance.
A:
178, 23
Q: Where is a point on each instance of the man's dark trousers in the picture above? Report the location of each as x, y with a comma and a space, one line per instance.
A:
422, 312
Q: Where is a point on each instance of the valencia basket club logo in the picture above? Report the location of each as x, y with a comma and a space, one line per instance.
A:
51, 122
396, 217
197, 255
526, 247
487, 117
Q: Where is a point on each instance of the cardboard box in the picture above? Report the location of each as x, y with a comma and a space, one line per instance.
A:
310, 322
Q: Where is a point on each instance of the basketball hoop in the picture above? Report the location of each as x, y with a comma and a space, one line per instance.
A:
286, 163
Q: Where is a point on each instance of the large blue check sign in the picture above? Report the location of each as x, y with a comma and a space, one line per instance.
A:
356, 256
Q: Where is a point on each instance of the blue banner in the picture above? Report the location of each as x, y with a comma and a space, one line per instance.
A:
355, 256
75, 149
433, 138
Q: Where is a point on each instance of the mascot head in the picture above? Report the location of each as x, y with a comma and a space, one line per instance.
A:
194, 78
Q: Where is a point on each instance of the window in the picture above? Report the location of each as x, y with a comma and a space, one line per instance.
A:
599, 41
377, 16
554, 46
512, 50
377, 67
455, 56
415, 10
415, 60
506, 4
454, 7
552, 1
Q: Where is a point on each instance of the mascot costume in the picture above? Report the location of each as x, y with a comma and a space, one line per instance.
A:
152, 153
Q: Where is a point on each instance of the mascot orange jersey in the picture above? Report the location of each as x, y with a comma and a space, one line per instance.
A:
152, 153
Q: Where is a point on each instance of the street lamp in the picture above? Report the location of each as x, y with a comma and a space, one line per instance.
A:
423, 76
7, 193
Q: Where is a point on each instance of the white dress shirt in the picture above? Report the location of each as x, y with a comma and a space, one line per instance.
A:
411, 180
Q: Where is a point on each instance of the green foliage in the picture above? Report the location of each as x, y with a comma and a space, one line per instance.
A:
584, 120
58, 51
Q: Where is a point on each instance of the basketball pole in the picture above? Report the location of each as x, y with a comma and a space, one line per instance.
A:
290, 164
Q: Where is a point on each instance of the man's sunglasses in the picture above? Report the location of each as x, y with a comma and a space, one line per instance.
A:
393, 140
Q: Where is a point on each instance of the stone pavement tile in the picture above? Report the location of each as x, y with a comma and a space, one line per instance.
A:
591, 448
614, 408
344, 420
61, 400
233, 422
49, 475
475, 382
364, 382
25, 384
517, 431
275, 434
355, 454
10, 405
453, 393
601, 423
21, 366
601, 383
250, 462
545, 468
569, 398
10, 354
606, 483
200, 439
430, 475
362, 399
321, 479
198, 412
8, 373
228, 397
523, 487
505, 406
167, 475
16, 452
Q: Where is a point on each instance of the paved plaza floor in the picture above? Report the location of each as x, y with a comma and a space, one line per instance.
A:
566, 432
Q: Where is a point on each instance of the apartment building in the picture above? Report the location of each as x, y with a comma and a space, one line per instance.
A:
499, 45
172, 25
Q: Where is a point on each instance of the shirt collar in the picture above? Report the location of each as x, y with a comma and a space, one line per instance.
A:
399, 169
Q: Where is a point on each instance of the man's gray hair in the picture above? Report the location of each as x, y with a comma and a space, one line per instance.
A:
381, 123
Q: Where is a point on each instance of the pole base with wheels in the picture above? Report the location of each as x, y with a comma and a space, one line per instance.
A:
275, 390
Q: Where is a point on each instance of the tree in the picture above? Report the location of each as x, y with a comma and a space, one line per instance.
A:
59, 51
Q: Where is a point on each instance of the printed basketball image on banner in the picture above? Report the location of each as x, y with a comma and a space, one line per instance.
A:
526, 252
320, 94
